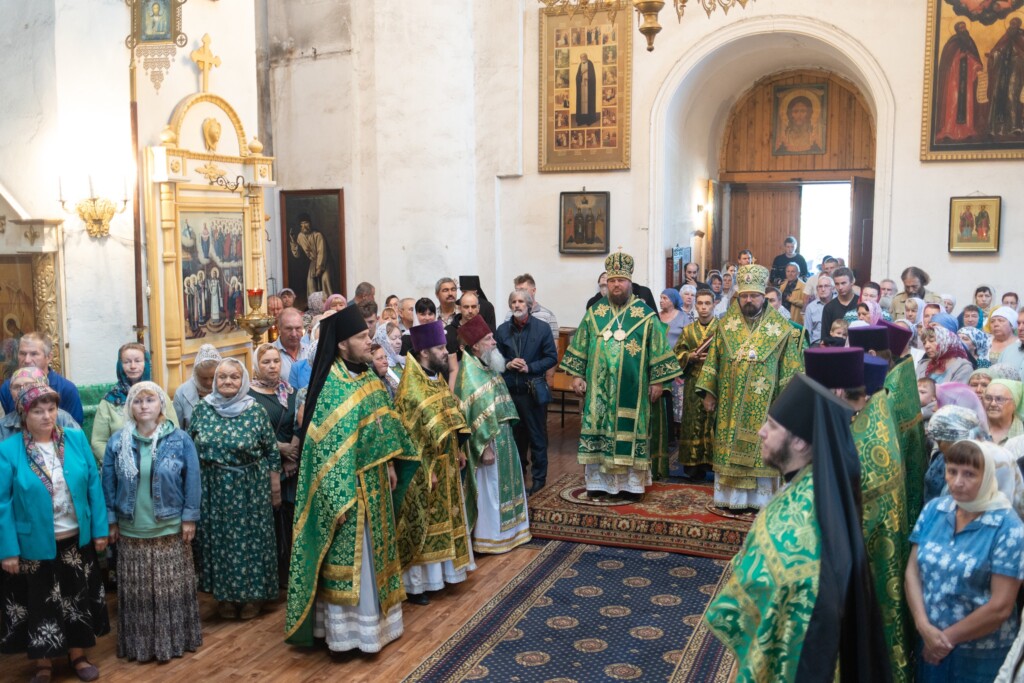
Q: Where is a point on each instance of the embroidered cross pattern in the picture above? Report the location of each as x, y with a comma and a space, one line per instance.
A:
632, 347
760, 386
601, 310
636, 312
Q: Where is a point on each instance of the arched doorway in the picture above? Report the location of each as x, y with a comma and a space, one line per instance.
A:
691, 111
798, 158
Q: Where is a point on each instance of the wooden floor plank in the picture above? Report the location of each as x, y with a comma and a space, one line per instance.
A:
255, 650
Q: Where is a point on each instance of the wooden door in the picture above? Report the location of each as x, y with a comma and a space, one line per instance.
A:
760, 217
862, 211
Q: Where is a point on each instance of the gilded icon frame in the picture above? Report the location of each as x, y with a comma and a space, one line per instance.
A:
968, 134
595, 136
967, 234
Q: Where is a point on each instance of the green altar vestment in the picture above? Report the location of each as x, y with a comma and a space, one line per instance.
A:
696, 432
353, 434
763, 612
490, 412
746, 369
886, 532
620, 352
901, 383
431, 519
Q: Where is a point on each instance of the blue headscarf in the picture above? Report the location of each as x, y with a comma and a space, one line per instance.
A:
981, 319
119, 393
946, 320
674, 297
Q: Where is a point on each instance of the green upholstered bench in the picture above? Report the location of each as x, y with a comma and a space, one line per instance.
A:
91, 395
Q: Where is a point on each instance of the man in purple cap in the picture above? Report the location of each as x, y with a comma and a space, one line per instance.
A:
883, 497
495, 493
433, 539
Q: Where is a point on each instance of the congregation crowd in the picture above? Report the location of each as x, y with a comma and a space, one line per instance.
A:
370, 451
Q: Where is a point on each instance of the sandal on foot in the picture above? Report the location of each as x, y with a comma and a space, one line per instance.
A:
43, 674
89, 672
249, 610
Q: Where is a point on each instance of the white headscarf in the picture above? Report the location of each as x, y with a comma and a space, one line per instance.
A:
125, 455
237, 404
1008, 313
989, 496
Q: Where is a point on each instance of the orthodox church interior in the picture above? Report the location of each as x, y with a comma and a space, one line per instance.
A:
154, 149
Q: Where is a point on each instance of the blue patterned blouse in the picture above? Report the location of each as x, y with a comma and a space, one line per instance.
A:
956, 568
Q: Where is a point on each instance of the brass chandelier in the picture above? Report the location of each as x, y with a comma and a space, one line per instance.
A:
647, 11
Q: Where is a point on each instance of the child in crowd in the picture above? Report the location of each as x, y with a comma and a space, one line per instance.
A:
838, 332
926, 393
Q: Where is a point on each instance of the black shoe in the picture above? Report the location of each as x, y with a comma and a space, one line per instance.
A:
419, 599
631, 497
537, 486
597, 495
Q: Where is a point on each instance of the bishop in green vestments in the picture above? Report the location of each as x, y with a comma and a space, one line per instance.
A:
345, 581
497, 507
754, 354
800, 598
620, 359
433, 538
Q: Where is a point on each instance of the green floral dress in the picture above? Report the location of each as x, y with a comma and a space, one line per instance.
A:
236, 529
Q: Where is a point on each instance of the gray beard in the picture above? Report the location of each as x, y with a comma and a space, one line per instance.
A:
493, 360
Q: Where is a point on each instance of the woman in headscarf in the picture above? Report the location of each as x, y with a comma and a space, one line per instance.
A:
948, 302
1003, 404
335, 302
1004, 371
944, 319
945, 359
670, 311
151, 485
979, 381
948, 425
389, 338
688, 294
977, 344
22, 379
869, 312
962, 587
198, 386
237, 454
971, 316
278, 399
1003, 322
53, 522
133, 366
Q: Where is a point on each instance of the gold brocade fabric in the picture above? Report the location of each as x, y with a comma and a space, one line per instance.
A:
696, 431
616, 422
763, 612
431, 520
353, 434
886, 531
746, 369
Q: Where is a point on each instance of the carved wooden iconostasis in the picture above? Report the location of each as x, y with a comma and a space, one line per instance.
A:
204, 230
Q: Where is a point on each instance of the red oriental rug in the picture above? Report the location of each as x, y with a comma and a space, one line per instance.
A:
675, 517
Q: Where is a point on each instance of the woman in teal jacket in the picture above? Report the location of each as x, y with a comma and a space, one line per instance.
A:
53, 521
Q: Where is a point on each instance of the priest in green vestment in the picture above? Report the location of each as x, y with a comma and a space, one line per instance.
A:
800, 597
620, 360
433, 538
696, 431
901, 383
345, 581
886, 532
497, 505
754, 353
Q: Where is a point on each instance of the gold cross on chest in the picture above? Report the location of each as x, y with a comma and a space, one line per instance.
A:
205, 60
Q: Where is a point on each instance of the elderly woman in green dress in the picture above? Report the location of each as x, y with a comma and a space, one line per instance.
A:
241, 466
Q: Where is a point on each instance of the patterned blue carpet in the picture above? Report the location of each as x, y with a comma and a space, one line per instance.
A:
591, 613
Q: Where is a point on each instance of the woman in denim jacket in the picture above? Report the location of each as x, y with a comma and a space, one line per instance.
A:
151, 483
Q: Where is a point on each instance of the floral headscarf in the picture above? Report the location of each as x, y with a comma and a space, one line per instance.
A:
953, 423
982, 343
237, 404
961, 395
315, 303
332, 299
37, 376
1004, 371
119, 393
125, 455
281, 387
380, 338
947, 347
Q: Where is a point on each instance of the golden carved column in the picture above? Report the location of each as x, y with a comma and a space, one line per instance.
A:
259, 271
44, 285
172, 313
